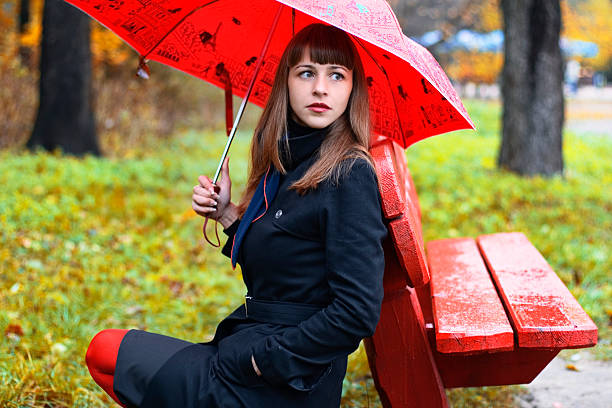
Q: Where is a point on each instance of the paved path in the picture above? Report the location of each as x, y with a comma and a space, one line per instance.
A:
590, 111
589, 117
561, 386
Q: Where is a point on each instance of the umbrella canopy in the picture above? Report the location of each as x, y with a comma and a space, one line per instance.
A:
410, 96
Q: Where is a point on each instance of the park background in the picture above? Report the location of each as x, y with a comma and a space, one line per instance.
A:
105, 240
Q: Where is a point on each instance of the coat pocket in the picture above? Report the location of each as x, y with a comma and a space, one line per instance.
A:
234, 355
299, 222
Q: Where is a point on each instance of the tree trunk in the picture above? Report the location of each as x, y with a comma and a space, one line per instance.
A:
532, 88
65, 115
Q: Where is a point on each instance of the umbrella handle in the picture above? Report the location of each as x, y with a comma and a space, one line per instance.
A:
218, 244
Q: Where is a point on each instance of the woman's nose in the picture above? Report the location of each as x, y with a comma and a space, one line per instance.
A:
320, 85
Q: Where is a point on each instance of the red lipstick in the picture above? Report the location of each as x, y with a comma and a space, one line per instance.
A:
318, 107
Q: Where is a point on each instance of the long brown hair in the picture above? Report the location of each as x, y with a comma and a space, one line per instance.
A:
349, 135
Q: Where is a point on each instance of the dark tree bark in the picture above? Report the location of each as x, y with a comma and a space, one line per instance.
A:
25, 54
65, 115
532, 88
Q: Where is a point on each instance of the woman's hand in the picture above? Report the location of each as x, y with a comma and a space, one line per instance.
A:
216, 205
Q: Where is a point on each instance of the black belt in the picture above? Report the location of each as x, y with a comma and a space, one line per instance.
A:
277, 312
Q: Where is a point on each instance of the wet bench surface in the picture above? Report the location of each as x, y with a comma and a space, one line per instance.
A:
468, 314
541, 308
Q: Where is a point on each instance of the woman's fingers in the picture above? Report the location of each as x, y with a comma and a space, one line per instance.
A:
202, 210
204, 201
201, 191
206, 183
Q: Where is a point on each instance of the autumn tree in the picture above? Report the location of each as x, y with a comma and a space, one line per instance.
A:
65, 116
589, 20
532, 88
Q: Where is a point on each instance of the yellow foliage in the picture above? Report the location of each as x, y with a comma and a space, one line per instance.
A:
31, 37
6, 19
590, 22
107, 47
490, 16
481, 67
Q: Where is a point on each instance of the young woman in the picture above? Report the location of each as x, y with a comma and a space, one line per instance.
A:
308, 235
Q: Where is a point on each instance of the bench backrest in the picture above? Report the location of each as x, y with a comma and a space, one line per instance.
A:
401, 209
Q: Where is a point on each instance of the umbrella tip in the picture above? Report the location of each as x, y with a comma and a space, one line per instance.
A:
143, 69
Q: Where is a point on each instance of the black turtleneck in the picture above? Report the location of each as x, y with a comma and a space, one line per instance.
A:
303, 142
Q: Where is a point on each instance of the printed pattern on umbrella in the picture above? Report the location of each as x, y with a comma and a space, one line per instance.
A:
410, 96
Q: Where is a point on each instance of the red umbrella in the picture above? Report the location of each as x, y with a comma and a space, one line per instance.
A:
217, 40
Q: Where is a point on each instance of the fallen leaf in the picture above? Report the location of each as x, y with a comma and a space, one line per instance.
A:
13, 329
572, 367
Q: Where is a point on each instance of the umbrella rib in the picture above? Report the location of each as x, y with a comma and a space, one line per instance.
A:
175, 26
264, 50
399, 122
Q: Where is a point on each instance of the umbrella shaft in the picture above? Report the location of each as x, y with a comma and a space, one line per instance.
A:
248, 94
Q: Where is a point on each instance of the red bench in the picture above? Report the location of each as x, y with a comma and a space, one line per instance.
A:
473, 312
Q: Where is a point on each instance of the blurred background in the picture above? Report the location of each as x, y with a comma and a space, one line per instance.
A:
96, 225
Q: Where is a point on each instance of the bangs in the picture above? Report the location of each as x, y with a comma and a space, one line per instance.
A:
327, 45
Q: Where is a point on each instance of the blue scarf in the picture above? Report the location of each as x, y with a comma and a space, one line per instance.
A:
263, 196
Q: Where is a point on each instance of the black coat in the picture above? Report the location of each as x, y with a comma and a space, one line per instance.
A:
324, 249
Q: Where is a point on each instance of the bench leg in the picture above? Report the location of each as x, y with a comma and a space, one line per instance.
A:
400, 357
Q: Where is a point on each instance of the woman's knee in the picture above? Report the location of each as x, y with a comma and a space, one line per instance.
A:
102, 352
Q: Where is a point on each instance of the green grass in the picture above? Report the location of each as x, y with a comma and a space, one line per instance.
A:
100, 243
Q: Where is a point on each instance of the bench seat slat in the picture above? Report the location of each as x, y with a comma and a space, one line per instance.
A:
541, 308
468, 314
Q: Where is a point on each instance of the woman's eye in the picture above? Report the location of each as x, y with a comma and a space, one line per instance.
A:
336, 76
306, 74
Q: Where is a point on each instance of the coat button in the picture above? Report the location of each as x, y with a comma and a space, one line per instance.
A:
278, 214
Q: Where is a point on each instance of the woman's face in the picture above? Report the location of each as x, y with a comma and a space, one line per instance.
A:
318, 94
